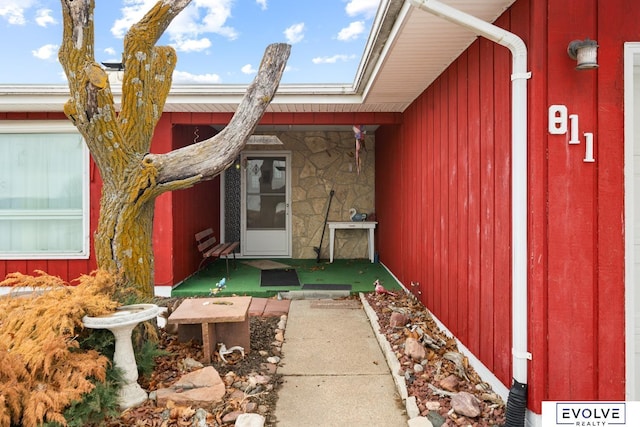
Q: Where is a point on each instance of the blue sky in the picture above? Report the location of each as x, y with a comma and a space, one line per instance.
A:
217, 41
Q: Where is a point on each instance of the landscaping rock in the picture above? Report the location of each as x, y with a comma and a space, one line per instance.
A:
466, 404
201, 387
397, 320
414, 349
450, 383
420, 422
250, 420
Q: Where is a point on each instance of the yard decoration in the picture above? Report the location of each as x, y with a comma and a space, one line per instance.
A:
359, 135
356, 216
120, 142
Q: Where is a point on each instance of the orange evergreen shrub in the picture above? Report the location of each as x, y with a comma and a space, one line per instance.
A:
41, 369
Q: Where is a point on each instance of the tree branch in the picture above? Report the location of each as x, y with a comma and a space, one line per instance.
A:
91, 106
148, 72
208, 158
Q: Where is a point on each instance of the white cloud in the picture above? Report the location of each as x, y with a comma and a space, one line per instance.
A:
192, 45
367, 8
200, 17
294, 33
352, 31
44, 18
183, 77
13, 10
262, 4
110, 51
46, 52
248, 69
131, 13
332, 59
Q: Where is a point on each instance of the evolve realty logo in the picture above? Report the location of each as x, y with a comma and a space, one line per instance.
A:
590, 414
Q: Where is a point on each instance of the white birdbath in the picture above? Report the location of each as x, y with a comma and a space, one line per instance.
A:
121, 324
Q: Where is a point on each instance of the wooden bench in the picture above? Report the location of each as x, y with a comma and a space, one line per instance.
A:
207, 246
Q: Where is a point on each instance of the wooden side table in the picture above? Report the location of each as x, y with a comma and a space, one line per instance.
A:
351, 225
213, 320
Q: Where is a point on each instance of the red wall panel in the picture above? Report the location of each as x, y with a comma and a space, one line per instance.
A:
576, 252
617, 24
193, 209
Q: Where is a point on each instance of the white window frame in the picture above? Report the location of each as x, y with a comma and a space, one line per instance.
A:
631, 59
54, 126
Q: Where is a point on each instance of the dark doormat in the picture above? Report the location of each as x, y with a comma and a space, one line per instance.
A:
279, 277
325, 287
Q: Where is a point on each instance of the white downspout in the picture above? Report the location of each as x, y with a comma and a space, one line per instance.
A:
519, 241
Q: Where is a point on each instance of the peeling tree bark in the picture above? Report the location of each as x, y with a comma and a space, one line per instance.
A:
120, 143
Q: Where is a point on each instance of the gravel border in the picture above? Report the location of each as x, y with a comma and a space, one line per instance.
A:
394, 365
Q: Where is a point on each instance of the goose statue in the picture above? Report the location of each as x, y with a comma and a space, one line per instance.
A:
355, 216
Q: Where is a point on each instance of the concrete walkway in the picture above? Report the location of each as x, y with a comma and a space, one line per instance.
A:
334, 372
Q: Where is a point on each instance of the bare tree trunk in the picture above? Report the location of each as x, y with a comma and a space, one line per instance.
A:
120, 143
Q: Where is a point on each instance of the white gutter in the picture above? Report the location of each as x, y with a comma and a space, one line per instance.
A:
519, 76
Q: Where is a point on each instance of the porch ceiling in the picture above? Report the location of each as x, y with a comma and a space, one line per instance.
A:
407, 50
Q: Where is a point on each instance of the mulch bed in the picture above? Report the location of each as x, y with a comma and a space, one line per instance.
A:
171, 367
435, 406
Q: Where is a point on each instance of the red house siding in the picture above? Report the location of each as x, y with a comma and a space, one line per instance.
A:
447, 175
453, 158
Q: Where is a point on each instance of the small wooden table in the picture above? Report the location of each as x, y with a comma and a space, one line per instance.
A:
212, 321
351, 225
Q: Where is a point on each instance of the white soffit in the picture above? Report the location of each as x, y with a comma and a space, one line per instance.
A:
421, 47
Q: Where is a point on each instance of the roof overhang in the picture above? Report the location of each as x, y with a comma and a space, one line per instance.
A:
406, 51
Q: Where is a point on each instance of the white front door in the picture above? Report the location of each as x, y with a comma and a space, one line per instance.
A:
632, 214
265, 205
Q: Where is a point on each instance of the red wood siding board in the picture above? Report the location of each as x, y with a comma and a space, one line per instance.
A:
406, 202
426, 242
76, 268
162, 238
474, 198
418, 201
14, 266
453, 190
502, 217
444, 197
571, 218
487, 199
437, 207
429, 288
613, 31
59, 269
36, 264
463, 206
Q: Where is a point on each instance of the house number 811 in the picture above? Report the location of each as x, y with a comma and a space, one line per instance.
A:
560, 121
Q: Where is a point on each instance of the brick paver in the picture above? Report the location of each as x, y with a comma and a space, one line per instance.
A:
268, 307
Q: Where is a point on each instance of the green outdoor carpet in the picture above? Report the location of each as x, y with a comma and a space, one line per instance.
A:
245, 279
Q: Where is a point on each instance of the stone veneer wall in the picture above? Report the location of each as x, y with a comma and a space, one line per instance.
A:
322, 161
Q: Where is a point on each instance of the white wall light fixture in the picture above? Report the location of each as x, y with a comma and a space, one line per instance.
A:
585, 52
